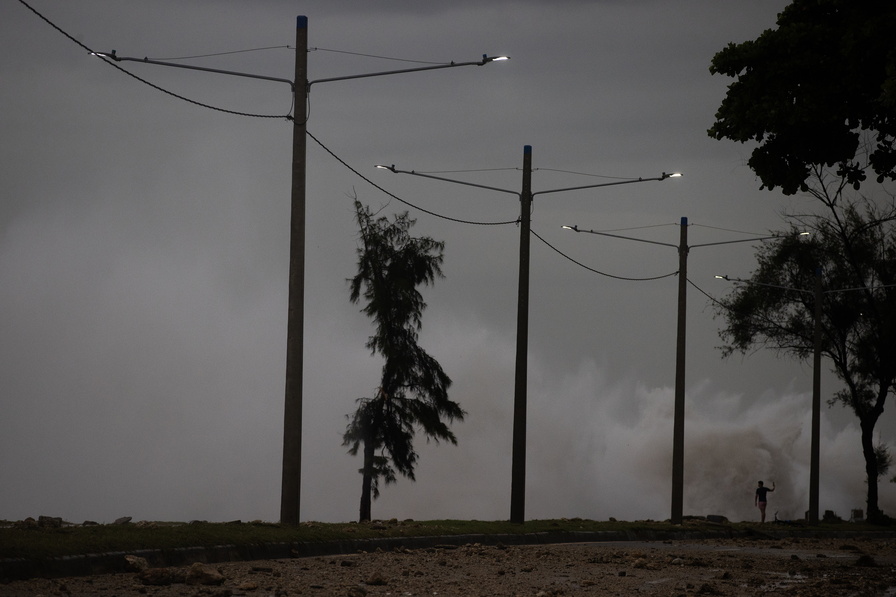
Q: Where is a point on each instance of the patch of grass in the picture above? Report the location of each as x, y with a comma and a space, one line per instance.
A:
40, 543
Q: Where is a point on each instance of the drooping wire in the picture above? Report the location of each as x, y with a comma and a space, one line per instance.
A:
590, 269
707, 295
396, 197
144, 81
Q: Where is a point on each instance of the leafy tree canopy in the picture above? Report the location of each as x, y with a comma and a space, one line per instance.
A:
818, 90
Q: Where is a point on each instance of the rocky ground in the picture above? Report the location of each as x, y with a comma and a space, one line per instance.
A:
737, 567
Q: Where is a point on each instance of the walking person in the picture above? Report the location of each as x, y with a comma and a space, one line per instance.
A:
762, 498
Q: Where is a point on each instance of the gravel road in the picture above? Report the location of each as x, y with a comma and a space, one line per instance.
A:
735, 567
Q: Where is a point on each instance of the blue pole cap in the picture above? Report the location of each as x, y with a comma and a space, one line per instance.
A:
301, 22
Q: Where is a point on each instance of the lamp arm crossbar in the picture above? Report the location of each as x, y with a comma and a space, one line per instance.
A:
463, 182
485, 60
605, 184
640, 240
113, 56
471, 184
116, 58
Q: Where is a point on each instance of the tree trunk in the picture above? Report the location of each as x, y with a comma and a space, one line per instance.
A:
867, 424
367, 481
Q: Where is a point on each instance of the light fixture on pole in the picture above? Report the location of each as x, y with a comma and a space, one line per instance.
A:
815, 421
526, 195
677, 515
301, 86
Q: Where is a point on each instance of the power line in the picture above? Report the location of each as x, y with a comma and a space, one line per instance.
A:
396, 197
192, 101
582, 265
284, 116
225, 53
374, 56
707, 295
144, 81
457, 220
585, 174
725, 229
635, 228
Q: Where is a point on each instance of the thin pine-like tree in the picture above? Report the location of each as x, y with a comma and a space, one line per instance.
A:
413, 389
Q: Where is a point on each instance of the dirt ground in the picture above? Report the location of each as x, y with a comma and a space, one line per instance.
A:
737, 567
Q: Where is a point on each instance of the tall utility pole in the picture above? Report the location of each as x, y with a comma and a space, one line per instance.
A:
680, 353
815, 421
680, 348
290, 492
520, 399
290, 495
520, 396
292, 417
814, 448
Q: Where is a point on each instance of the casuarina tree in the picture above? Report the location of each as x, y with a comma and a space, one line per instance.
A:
412, 393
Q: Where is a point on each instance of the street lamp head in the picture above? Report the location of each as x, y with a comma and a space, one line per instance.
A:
382, 167
573, 228
725, 277
486, 59
105, 55
672, 175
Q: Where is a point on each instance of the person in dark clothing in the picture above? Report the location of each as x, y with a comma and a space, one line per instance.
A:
762, 499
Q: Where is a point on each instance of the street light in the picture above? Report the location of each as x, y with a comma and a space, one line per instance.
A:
815, 444
680, 350
301, 86
814, 458
526, 195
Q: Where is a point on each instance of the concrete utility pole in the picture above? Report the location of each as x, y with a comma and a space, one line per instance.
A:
684, 250
814, 449
520, 398
680, 349
291, 489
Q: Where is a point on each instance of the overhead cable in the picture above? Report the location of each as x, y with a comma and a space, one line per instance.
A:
396, 197
585, 174
374, 56
707, 295
582, 265
144, 81
726, 229
225, 53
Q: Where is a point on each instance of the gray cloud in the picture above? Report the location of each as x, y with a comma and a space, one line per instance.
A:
143, 259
